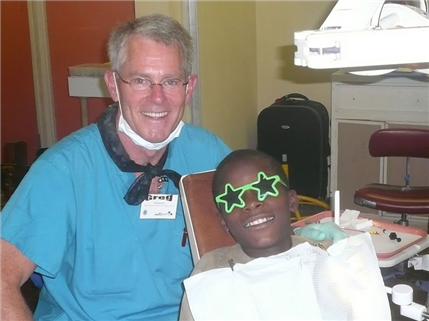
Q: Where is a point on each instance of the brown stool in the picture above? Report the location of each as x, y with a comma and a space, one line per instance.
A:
406, 199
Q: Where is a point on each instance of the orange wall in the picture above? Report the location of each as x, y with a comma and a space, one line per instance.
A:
18, 107
78, 31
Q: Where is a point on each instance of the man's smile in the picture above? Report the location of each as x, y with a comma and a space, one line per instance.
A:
155, 115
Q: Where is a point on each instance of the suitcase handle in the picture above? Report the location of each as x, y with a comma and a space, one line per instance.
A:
296, 95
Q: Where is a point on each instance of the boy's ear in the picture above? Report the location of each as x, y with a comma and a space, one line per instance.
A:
222, 222
293, 201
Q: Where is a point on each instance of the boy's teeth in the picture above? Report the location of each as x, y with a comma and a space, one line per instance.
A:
259, 221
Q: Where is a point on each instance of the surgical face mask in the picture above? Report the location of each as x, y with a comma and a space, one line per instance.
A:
124, 127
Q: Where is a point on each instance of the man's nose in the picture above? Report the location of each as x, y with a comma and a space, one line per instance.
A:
157, 93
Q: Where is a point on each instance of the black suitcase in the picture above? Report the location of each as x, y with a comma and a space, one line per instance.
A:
295, 130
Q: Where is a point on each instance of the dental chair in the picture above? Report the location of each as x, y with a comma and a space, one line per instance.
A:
204, 230
399, 199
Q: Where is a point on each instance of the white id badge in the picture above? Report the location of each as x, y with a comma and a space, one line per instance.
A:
159, 206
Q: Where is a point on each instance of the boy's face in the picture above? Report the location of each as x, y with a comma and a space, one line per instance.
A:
260, 218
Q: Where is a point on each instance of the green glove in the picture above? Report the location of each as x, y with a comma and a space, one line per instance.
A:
321, 231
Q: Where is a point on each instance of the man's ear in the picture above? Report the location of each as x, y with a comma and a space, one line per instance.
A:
110, 83
293, 201
222, 222
192, 83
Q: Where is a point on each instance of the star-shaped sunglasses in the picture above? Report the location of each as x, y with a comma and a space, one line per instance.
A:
265, 186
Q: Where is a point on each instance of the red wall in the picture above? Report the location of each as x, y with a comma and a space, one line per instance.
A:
18, 107
77, 31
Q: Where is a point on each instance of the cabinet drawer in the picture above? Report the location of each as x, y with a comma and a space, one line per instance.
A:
375, 102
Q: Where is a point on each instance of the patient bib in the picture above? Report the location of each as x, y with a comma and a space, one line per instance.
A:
304, 283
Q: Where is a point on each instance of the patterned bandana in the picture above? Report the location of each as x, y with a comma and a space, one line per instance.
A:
139, 189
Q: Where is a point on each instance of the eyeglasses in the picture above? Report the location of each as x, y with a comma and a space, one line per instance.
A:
169, 85
264, 186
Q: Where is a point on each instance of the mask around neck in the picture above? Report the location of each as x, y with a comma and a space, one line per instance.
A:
124, 127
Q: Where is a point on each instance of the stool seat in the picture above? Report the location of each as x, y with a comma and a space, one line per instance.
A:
393, 198
407, 199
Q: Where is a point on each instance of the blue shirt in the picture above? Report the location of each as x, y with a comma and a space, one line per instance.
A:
99, 260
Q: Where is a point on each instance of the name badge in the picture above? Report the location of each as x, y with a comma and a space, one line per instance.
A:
159, 206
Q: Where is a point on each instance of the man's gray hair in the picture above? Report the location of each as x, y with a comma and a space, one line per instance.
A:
157, 27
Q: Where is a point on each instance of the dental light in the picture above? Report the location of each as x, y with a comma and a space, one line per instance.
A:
368, 37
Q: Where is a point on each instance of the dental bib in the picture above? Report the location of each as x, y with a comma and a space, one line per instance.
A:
304, 283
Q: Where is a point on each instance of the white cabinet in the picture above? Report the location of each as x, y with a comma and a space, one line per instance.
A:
362, 105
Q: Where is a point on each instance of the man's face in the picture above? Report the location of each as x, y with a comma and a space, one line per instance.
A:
153, 113
262, 227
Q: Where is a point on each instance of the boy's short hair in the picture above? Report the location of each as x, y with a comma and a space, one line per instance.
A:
241, 156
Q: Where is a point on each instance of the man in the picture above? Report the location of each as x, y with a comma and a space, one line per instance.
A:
87, 215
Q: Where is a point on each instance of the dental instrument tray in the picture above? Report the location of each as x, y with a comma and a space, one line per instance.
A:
393, 243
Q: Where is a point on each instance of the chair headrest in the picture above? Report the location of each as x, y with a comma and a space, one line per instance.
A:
402, 142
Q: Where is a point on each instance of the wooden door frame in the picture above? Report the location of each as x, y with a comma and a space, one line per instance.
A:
190, 21
42, 76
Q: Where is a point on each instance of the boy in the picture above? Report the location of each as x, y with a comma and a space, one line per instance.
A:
252, 194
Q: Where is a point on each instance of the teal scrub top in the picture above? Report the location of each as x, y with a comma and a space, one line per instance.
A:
98, 259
